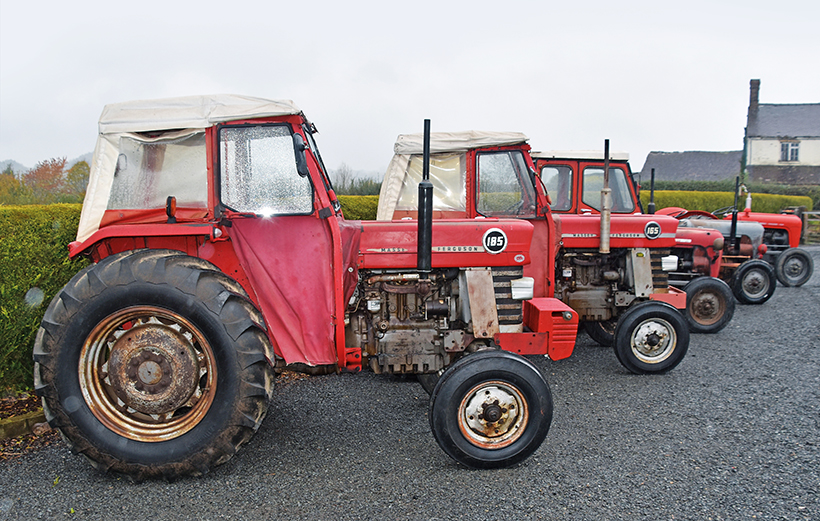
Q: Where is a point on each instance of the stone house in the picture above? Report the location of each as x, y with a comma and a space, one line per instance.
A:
782, 141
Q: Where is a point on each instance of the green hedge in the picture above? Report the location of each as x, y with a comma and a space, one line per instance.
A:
728, 185
35, 265
359, 207
709, 201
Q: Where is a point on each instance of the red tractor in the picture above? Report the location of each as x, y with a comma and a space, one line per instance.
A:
781, 235
219, 252
714, 259
609, 271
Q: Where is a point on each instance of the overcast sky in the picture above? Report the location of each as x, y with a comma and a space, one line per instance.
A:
648, 75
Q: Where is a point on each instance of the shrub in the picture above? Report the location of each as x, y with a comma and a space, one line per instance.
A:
728, 185
359, 207
710, 201
34, 248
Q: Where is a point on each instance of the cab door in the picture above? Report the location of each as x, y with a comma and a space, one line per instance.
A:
281, 233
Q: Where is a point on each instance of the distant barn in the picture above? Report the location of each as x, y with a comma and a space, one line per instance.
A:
692, 166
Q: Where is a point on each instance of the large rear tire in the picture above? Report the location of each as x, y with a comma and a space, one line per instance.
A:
153, 364
754, 282
794, 267
491, 409
710, 305
652, 337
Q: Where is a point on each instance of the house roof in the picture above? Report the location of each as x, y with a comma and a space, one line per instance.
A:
692, 166
784, 120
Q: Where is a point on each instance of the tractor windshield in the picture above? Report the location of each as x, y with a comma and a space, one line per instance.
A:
621, 196
504, 185
258, 172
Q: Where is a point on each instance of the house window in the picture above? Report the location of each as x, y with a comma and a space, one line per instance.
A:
789, 151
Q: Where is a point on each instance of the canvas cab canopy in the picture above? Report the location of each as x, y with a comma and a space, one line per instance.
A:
448, 170
151, 149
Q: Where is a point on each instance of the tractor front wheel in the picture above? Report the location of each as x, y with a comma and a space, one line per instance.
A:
753, 282
710, 305
603, 331
491, 409
794, 267
651, 337
153, 364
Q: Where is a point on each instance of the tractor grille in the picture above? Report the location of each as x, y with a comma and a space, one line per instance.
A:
509, 311
660, 278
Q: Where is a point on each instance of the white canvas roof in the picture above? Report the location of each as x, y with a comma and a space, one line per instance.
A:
188, 112
450, 192
579, 154
408, 144
121, 123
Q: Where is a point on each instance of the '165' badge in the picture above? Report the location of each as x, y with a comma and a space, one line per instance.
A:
652, 230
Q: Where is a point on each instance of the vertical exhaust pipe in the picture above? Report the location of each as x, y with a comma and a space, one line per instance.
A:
425, 234
651, 206
733, 232
606, 204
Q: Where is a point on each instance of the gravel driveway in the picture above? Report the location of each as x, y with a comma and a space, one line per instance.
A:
732, 433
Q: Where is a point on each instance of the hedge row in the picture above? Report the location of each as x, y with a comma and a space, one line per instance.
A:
34, 248
35, 265
728, 185
710, 201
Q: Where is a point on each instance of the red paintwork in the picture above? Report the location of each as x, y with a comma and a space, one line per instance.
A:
775, 221
675, 297
455, 243
319, 257
626, 231
707, 260
547, 314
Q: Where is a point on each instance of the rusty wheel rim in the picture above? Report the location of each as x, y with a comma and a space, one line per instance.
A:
707, 307
653, 341
147, 374
493, 415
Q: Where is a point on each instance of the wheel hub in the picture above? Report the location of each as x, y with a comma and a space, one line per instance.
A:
754, 283
153, 368
653, 341
705, 306
493, 415
794, 268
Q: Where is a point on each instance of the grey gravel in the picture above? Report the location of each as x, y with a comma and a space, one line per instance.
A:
731, 433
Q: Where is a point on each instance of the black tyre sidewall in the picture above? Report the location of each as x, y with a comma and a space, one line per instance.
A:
632, 318
717, 287
780, 267
742, 270
128, 450
598, 333
471, 371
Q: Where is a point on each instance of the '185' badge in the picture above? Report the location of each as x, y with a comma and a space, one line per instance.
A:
494, 241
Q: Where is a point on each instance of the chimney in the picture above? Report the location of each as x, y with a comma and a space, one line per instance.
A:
754, 91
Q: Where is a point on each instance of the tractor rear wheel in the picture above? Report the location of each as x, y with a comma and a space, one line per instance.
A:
710, 305
753, 282
651, 337
794, 267
153, 364
491, 409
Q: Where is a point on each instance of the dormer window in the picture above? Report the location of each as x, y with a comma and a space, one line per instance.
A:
789, 151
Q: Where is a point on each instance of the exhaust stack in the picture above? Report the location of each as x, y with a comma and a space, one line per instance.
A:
606, 204
425, 234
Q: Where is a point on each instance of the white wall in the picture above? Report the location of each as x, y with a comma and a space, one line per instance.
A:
767, 152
